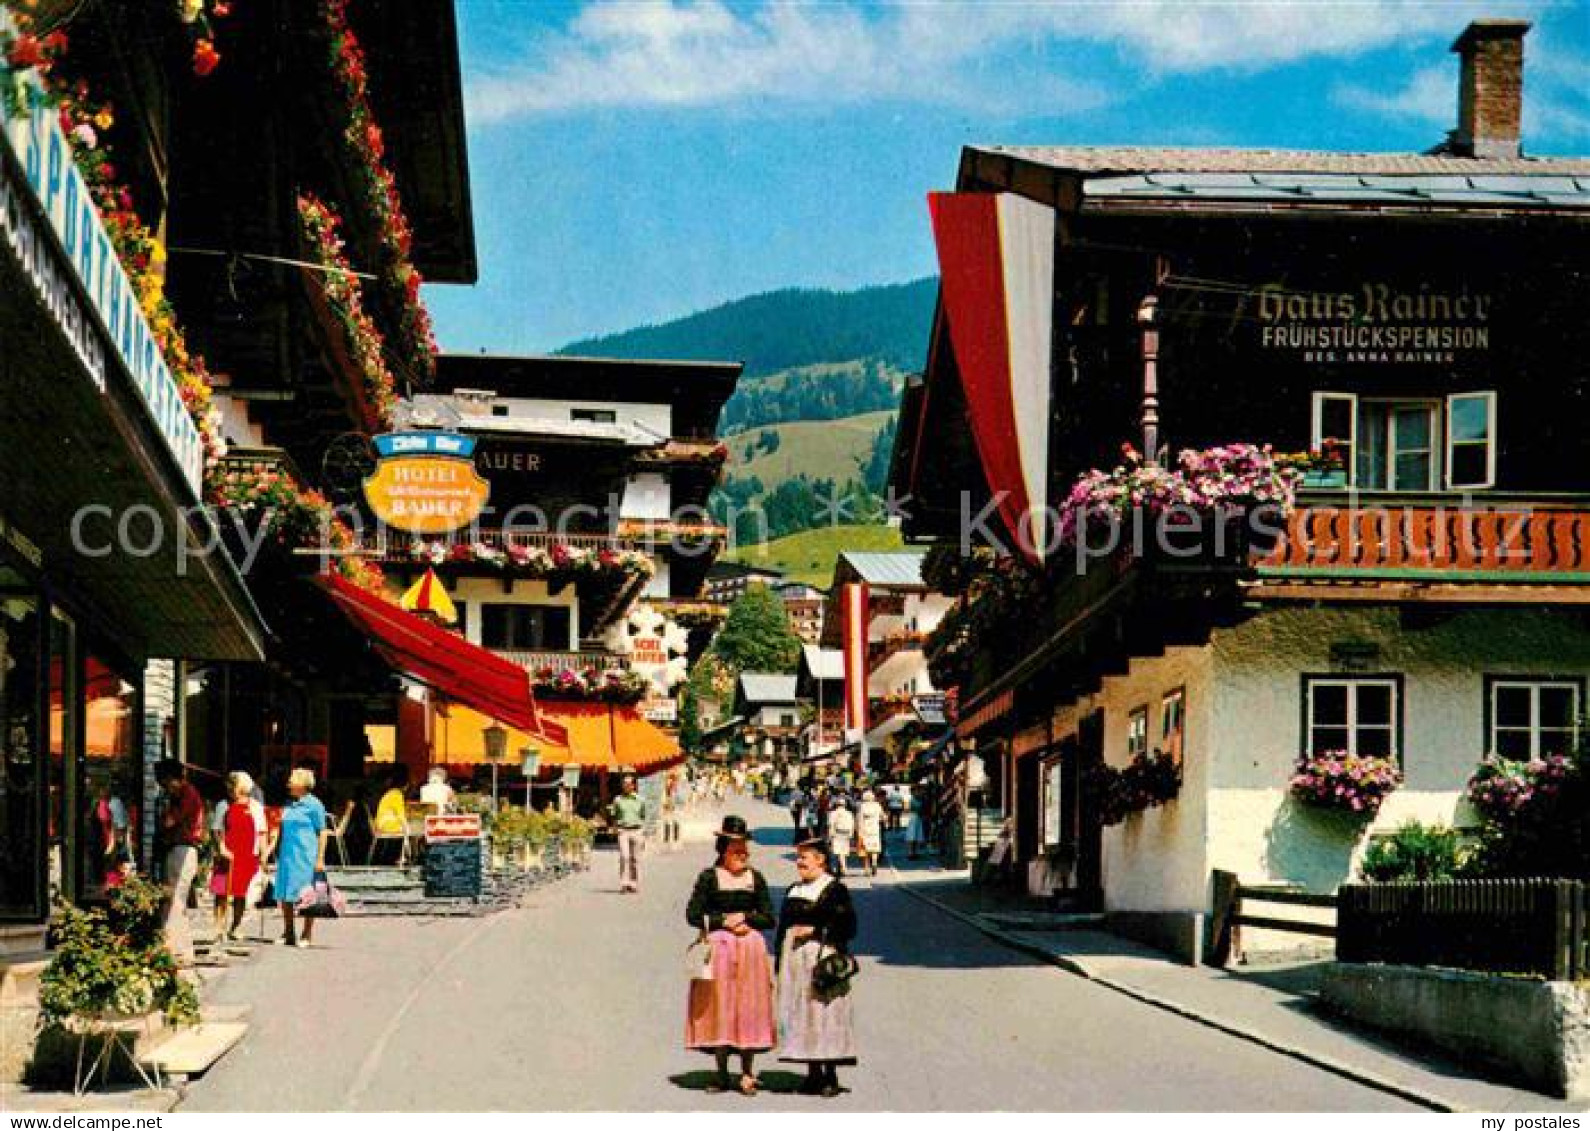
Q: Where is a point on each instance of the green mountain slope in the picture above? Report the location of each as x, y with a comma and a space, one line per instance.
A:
818, 449
810, 555
789, 329
811, 419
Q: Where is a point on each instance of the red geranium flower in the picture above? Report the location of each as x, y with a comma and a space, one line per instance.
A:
26, 52
205, 57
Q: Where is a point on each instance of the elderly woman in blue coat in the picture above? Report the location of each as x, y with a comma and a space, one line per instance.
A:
301, 852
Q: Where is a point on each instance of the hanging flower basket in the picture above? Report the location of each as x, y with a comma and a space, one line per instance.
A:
1345, 783
1146, 782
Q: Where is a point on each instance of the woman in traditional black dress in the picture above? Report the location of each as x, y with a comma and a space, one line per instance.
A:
733, 1012
815, 1020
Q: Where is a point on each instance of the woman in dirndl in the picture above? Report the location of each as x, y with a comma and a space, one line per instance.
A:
817, 1027
732, 1013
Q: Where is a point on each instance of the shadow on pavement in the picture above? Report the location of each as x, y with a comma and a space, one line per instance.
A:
780, 1083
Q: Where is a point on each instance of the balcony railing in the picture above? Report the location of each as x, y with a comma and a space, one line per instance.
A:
395, 545
879, 651
537, 661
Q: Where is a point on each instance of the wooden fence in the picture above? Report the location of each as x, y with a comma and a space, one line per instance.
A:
1507, 926
1233, 910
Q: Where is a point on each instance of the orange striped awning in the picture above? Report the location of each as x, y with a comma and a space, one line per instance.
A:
1454, 544
604, 736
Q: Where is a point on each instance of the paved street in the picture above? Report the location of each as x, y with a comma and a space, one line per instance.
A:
576, 1002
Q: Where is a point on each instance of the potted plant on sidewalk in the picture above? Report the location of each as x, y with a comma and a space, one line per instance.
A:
110, 980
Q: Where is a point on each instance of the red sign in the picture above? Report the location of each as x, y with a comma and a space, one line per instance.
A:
453, 826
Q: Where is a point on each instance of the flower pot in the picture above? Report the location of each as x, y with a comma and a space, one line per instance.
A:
1325, 479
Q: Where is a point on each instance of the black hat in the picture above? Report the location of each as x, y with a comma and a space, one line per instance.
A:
816, 842
735, 828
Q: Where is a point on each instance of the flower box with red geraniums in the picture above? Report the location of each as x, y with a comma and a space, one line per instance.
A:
1146, 782
1345, 782
1503, 789
611, 685
1227, 480
532, 561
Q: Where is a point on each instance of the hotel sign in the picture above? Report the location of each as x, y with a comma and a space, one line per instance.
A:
426, 482
1374, 322
75, 257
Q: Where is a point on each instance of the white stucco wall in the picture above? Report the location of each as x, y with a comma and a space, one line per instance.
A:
473, 592
923, 611
1257, 724
656, 417
1156, 860
238, 429
661, 583
647, 496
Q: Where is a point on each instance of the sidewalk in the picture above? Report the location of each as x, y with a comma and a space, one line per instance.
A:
1271, 1005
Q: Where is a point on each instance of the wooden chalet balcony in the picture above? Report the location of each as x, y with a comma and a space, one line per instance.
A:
879, 651
883, 708
539, 661
395, 544
1511, 544
654, 531
245, 461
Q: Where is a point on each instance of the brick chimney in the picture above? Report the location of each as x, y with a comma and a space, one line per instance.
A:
1490, 88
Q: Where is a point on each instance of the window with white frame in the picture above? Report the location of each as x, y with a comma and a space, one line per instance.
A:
1137, 732
1173, 722
1358, 715
1532, 718
1411, 444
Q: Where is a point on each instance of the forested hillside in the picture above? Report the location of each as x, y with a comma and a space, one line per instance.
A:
789, 329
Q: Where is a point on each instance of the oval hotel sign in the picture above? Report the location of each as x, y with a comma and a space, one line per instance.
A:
426, 482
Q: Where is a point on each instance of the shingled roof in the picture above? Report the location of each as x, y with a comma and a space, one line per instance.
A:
1091, 160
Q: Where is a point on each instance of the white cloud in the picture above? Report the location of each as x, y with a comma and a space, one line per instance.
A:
1429, 96
705, 53
1556, 105
996, 53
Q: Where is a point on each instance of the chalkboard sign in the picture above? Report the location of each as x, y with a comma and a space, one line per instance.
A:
452, 869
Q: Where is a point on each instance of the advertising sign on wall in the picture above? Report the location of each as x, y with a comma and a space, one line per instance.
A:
85, 253
1374, 322
426, 482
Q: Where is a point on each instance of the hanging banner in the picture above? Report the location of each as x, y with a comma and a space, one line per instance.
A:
426, 482
996, 259
854, 627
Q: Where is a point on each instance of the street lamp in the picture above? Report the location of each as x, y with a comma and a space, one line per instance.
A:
532, 767
496, 737
571, 782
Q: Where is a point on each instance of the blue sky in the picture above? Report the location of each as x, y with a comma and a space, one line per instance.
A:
634, 160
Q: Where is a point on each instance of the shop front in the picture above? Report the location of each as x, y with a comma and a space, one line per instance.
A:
107, 560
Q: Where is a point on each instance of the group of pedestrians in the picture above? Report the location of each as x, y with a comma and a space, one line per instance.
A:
245, 843
852, 820
798, 999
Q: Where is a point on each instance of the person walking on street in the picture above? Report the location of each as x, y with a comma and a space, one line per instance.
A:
841, 831
916, 827
239, 828
181, 833
894, 796
797, 810
815, 926
630, 813
300, 852
869, 832
733, 1011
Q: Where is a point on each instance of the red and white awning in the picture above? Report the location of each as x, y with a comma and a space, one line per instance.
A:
996, 259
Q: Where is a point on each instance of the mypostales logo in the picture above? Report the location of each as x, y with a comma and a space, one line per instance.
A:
426, 482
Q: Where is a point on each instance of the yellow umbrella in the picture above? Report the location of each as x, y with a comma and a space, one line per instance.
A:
428, 595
